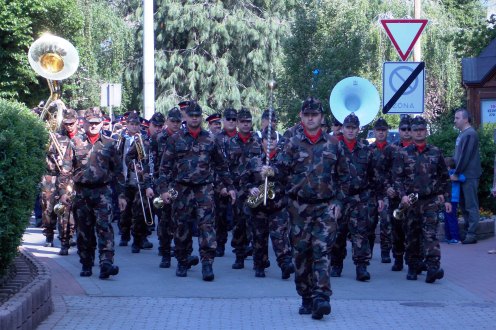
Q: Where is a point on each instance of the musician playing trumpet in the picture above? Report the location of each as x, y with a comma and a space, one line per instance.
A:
272, 218
420, 168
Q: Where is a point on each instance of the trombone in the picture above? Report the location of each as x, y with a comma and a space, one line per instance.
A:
140, 148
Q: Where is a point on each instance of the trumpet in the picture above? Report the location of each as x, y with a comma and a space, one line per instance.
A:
399, 213
255, 200
158, 202
59, 208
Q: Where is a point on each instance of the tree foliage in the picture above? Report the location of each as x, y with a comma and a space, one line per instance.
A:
218, 52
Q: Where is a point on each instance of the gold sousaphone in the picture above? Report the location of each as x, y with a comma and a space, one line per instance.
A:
357, 95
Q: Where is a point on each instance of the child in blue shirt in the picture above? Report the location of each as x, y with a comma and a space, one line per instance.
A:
451, 219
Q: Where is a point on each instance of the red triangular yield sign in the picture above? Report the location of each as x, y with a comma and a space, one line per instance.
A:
404, 33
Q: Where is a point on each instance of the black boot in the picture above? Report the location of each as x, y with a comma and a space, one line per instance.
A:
146, 244
398, 264
49, 241
287, 269
193, 261
412, 273
306, 306
124, 240
86, 271
107, 269
181, 270
320, 308
259, 272
421, 267
361, 273
336, 271
207, 272
434, 274
135, 247
239, 263
385, 258
165, 262
219, 251
64, 251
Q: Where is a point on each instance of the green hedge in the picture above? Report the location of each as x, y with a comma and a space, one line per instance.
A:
23, 140
445, 138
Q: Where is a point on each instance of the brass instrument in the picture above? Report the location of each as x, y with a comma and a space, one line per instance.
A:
59, 208
271, 85
140, 149
399, 213
158, 202
255, 200
55, 59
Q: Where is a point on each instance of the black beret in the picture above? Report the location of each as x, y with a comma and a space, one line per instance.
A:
351, 120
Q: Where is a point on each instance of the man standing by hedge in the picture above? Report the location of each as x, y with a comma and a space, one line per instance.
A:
91, 160
468, 163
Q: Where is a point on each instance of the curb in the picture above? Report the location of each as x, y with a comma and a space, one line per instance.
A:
33, 303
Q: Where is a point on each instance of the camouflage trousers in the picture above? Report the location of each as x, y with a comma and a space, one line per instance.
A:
398, 235
50, 220
133, 218
48, 201
274, 223
355, 221
222, 208
384, 221
165, 230
194, 204
421, 232
92, 209
312, 235
242, 232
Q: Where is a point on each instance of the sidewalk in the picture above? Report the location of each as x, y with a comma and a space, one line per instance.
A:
143, 296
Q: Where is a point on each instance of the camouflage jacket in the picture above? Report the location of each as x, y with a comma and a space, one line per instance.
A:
239, 154
292, 131
91, 165
382, 161
148, 166
53, 158
191, 161
311, 169
162, 138
423, 172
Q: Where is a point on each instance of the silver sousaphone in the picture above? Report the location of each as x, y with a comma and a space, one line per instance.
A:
357, 95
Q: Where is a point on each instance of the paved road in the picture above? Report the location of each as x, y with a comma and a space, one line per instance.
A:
143, 296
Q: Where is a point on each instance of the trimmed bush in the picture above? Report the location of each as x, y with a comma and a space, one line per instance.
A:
23, 140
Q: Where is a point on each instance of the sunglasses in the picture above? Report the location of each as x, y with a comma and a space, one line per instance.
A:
230, 119
405, 129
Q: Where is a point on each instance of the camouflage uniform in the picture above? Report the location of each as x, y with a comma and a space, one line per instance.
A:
271, 219
92, 167
423, 172
311, 171
49, 191
188, 166
355, 177
238, 154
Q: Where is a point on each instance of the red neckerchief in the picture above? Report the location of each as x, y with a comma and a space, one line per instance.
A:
194, 133
93, 137
381, 145
312, 138
406, 143
272, 154
340, 137
245, 138
71, 135
231, 133
169, 131
350, 144
420, 146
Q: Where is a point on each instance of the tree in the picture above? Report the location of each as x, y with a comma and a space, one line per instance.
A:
218, 52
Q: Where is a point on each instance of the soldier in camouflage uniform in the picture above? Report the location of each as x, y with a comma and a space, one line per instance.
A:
49, 191
309, 162
240, 149
223, 207
92, 162
165, 229
382, 160
147, 172
356, 178
397, 226
187, 166
272, 218
420, 168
